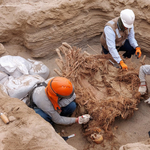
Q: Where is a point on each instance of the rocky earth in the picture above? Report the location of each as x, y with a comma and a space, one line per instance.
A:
38, 28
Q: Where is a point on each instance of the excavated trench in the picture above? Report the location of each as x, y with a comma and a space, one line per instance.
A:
105, 92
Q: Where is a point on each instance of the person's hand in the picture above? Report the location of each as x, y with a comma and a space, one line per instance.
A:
147, 101
138, 52
142, 89
123, 65
84, 119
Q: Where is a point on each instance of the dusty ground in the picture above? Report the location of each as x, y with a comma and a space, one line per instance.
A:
132, 130
21, 24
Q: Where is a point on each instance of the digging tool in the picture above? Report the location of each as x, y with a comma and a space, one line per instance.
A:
143, 60
92, 49
115, 64
4, 118
67, 137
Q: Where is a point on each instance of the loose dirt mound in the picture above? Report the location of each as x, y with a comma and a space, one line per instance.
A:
103, 91
26, 129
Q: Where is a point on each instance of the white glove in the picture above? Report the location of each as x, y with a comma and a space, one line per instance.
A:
84, 119
147, 101
142, 89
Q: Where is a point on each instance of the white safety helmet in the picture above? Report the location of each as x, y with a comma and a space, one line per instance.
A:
127, 17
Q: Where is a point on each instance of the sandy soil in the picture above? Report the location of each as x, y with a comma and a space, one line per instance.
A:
132, 130
19, 26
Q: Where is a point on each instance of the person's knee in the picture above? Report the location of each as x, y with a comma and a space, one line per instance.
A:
41, 113
44, 115
68, 110
132, 51
104, 50
74, 105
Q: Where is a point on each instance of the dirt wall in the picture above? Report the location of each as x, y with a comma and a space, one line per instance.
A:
41, 26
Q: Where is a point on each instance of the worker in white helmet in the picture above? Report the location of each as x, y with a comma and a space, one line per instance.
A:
118, 36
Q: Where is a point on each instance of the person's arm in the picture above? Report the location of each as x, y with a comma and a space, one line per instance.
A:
134, 43
132, 39
144, 70
41, 100
61, 119
111, 44
47, 107
69, 120
64, 102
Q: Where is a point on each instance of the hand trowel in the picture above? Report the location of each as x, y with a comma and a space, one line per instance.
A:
115, 64
67, 137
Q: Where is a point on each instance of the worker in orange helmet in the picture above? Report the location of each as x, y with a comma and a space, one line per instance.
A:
55, 102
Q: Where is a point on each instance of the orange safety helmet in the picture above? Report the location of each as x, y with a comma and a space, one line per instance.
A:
59, 87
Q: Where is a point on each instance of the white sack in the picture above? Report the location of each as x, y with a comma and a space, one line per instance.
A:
17, 66
14, 65
19, 87
39, 68
3, 77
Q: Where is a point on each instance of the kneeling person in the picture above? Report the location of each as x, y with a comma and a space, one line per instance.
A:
118, 35
55, 103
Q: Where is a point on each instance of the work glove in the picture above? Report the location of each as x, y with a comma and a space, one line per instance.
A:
147, 101
84, 119
138, 52
142, 89
123, 65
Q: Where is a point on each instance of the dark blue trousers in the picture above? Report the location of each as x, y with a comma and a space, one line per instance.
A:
129, 50
66, 111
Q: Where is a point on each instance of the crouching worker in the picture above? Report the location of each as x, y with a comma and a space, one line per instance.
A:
118, 35
55, 102
144, 70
